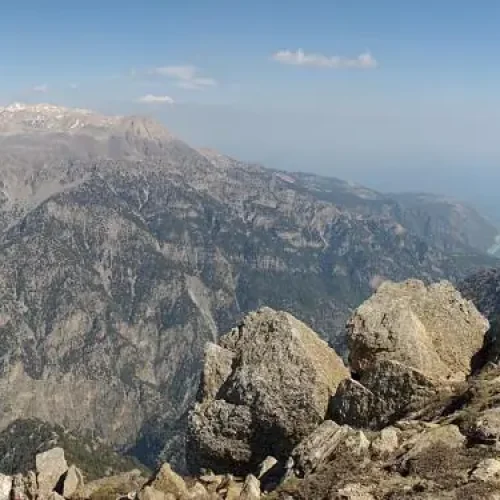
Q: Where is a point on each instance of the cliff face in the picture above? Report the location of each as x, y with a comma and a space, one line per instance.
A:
123, 251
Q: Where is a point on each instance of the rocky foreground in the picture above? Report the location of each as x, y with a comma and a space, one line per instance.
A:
415, 415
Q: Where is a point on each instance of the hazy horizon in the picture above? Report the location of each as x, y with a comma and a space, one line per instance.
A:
399, 97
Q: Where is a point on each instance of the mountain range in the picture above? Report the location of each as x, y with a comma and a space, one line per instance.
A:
123, 250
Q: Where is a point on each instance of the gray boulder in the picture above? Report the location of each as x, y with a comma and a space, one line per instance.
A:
263, 389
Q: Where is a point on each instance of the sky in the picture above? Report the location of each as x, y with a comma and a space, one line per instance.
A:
399, 95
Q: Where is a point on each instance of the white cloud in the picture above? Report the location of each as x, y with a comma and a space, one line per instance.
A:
73, 86
186, 77
41, 88
156, 99
300, 58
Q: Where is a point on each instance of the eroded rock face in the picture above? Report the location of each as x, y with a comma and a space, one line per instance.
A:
277, 391
432, 329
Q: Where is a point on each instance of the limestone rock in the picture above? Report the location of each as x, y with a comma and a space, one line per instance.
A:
5, 487
73, 481
149, 493
221, 434
50, 467
282, 377
432, 329
328, 439
197, 492
487, 471
385, 443
386, 390
169, 482
251, 488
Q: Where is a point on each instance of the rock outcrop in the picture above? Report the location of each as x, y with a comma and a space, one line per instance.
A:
432, 329
407, 342
265, 387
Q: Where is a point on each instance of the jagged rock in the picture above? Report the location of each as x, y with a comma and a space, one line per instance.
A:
73, 481
197, 492
282, 376
150, 493
251, 488
169, 482
487, 471
323, 443
5, 487
432, 329
385, 443
50, 467
386, 390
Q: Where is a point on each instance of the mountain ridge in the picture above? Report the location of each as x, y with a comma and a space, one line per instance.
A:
123, 253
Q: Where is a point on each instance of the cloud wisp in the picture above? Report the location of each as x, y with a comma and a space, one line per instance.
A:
186, 77
155, 99
301, 58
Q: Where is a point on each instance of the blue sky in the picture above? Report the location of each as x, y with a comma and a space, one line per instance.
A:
424, 99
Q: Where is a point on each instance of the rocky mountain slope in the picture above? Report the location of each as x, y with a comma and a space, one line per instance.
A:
123, 251
409, 419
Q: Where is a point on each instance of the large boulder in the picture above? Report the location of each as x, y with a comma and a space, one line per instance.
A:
265, 387
51, 466
407, 343
432, 329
